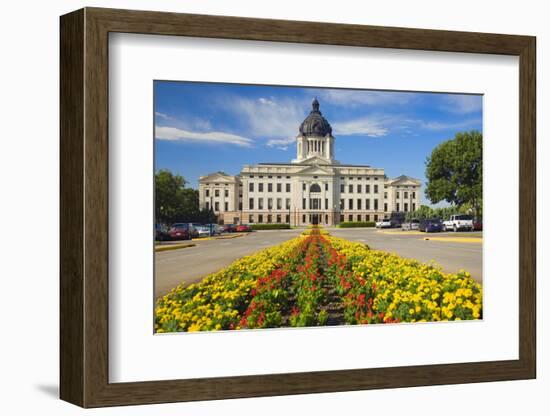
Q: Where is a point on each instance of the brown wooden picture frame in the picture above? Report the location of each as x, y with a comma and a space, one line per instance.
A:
84, 207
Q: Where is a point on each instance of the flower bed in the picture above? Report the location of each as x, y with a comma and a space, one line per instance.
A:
317, 279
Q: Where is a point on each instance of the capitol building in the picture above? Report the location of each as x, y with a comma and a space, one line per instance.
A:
314, 188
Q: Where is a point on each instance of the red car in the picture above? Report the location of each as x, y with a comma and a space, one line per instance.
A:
179, 231
478, 225
243, 228
228, 228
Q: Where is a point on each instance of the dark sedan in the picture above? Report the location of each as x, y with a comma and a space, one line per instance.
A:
431, 225
180, 231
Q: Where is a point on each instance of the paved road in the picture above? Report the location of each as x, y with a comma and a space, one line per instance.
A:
192, 264
451, 256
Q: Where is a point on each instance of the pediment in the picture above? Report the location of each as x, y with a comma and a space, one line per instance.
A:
316, 170
315, 160
218, 177
405, 181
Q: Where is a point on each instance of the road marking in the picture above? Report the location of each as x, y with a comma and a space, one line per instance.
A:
456, 239
401, 232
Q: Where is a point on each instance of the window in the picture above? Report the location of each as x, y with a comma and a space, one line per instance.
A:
367, 217
207, 205
359, 189
279, 177
385, 207
414, 195
251, 203
260, 203
341, 217
287, 219
251, 187
279, 187
413, 206
326, 203
288, 187
315, 188
367, 189
397, 194
397, 207
226, 193
216, 206
326, 186
251, 176
359, 218
350, 218
303, 187
208, 192
269, 177
260, 187
278, 218
385, 195
269, 187
260, 218
342, 188
351, 178
315, 177
350, 187
375, 217
375, 189
341, 204
405, 195
250, 219
350, 203
406, 207
269, 203
376, 204
358, 204
261, 176
367, 203
240, 206
217, 192
269, 219
303, 218
303, 203
279, 203
288, 177
287, 203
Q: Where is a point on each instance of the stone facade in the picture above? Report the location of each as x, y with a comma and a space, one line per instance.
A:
314, 188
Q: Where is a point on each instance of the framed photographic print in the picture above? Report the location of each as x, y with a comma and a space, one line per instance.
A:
255, 207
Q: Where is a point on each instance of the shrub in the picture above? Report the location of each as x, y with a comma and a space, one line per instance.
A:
270, 226
356, 224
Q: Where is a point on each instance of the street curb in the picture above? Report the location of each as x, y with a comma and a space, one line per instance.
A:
465, 240
173, 247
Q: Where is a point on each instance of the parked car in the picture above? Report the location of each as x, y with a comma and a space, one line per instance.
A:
478, 224
216, 229
229, 228
180, 231
384, 223
410, 225
431, 225
459, 222
203, 231
243, 228
161, 232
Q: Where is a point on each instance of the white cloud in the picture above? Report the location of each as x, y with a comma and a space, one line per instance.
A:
354, 98
268, 117
367, 126
281, 143
439, 126
176, 134
163, 116
463, 104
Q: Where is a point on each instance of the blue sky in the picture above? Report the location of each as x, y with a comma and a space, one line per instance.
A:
202, 128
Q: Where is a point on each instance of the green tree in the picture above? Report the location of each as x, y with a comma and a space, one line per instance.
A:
454, 171
168, 194
173, 201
